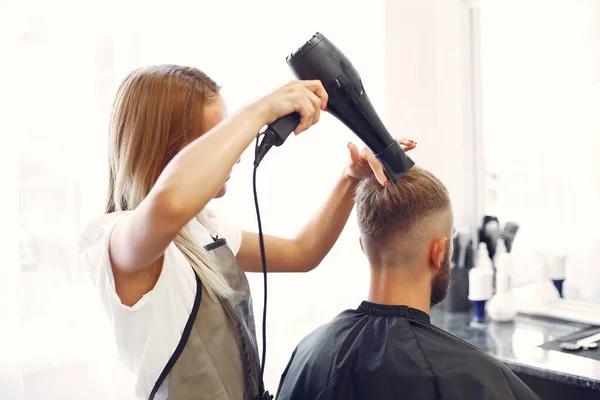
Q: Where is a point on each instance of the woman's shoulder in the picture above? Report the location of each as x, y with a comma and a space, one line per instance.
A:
99, 228
94, 255
96, 233
101, 221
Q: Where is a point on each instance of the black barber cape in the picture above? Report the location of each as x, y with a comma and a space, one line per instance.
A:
382, 352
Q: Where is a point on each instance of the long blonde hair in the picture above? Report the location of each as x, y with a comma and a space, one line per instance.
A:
155, 114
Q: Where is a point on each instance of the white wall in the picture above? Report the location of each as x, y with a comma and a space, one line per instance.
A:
430, 94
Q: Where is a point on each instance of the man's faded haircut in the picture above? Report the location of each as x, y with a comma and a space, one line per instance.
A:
407, 211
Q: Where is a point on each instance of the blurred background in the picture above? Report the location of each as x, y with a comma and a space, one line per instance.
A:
502, 97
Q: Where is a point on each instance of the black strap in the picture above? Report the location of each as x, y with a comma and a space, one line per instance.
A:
182, 342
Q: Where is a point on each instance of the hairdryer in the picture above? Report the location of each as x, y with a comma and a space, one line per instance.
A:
348, 102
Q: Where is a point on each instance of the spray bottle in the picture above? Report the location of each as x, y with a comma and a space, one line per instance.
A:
481, 282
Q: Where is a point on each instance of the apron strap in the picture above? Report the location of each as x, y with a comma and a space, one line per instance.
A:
182, 342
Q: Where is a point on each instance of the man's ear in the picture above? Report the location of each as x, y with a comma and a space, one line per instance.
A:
361, 245
438, 245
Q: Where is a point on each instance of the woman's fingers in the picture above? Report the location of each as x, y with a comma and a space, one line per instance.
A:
407, 143
317, 88
308, 103
378, 171
354, 154
307, 98
375, 165
306, 111
316, 103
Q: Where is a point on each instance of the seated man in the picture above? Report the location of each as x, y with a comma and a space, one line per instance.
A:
387, 348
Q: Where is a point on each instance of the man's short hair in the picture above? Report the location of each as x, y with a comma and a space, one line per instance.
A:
404, 210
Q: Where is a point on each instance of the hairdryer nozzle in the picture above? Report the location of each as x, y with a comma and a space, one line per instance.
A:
320, 59
395, 162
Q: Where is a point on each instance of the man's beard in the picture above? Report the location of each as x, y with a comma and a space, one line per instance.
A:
439, 285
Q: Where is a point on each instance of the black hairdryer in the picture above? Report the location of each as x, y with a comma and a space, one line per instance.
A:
348, 102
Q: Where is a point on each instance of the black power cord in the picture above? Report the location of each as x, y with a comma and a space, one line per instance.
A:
274, 135
259, 153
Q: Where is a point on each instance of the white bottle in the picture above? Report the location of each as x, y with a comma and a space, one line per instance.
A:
481, 276
481, 285
502, 306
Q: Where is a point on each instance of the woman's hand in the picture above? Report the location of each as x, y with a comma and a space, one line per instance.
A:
364, 163
307, 98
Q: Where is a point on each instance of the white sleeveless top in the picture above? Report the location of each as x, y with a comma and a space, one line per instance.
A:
148, 332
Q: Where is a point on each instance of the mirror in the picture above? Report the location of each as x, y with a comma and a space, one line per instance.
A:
540, 68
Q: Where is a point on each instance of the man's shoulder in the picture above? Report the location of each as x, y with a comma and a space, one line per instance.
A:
330, 330
315, 352
436, 341
324, 344
452, 360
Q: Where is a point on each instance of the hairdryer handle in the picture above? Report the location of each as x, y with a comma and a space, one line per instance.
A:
283, 127
275, 135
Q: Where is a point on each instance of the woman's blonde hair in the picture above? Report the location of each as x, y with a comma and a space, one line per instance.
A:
155, 114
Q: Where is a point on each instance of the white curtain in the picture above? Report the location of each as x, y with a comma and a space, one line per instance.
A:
69, 59
541, 126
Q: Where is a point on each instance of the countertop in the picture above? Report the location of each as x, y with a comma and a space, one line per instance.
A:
516, 344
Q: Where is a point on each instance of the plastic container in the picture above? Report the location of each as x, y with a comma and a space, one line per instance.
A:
481, 282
